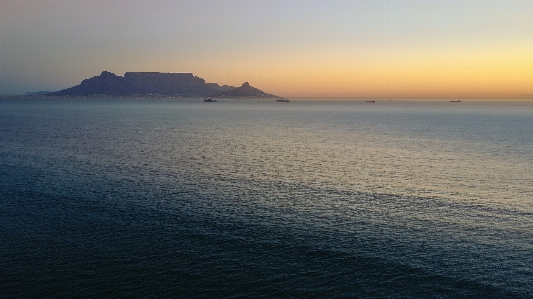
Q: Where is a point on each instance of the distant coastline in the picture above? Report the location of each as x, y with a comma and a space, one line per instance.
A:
155, 84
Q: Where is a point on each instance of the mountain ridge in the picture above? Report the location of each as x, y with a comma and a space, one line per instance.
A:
156, 83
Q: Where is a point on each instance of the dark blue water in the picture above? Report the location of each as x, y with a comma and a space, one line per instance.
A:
157, 198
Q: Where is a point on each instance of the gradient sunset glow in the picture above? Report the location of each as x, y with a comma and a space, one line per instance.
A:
297, 49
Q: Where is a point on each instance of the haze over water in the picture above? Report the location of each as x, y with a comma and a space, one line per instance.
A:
253, 198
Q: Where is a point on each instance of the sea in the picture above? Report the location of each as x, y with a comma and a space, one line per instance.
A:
167, 198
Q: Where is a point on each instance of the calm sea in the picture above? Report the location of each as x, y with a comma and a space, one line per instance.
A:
114, 198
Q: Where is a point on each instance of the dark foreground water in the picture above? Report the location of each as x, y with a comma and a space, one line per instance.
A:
316, 199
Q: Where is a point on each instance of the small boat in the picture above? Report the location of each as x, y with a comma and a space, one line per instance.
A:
456, 101
209, 100
373, 101
283, 100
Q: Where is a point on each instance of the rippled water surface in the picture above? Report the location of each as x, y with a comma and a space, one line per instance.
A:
253, 198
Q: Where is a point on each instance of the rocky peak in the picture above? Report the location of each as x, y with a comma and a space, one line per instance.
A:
107, 74
246, 90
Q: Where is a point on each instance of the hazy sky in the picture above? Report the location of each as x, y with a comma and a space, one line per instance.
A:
339, 49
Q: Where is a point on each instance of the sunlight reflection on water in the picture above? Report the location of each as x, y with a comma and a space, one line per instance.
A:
437, 187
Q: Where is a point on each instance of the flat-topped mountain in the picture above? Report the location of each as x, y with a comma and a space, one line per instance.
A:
154, 83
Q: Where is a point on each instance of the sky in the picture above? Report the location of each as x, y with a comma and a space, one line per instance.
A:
291, 48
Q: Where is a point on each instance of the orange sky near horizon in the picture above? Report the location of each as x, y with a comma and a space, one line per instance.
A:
504, 72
